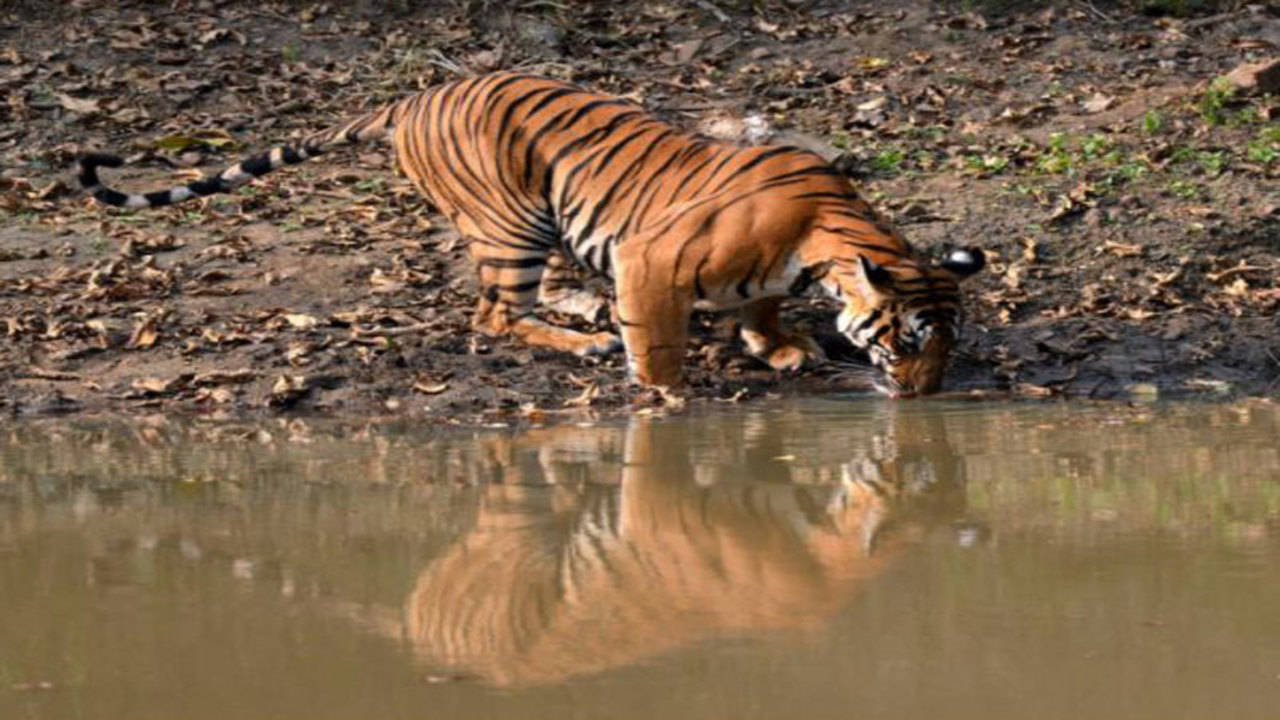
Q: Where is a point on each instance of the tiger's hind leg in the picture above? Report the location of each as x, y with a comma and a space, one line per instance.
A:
509, 285
763, 334
563, 291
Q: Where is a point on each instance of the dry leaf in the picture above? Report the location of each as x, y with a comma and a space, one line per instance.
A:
1097, 103
144, 335
429, 388
84, 106
301, 321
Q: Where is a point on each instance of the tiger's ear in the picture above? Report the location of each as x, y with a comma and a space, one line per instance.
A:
964, 262
876, 276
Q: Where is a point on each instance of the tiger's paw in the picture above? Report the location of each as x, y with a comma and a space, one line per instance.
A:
793, 353
601, 343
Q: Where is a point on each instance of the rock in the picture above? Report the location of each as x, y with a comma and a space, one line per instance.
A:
1260, 77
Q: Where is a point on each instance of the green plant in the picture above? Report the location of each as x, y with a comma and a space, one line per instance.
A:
1094, 145
1181, 154
1261, 152
888, 161
371, 185
1132, 170
1212, 163
1057, 160
1153, 122
1184, 189
986, 164
1213, 103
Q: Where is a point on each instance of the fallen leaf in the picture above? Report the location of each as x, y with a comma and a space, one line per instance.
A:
430, 388
302, 321
144, 335
159, 386
83, 106
1097, 103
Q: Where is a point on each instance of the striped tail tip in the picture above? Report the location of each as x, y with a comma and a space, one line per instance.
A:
89, 164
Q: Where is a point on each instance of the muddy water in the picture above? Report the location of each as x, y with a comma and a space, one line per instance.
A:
818, 559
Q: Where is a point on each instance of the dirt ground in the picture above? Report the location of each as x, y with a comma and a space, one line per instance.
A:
1125, 191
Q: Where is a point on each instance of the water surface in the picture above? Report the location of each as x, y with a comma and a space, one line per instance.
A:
855, 558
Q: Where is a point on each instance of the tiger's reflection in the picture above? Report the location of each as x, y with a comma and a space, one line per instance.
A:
566, 579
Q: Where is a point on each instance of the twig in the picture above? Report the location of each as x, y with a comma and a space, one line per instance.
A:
1232, 271
393, 331
43, 374
1211, 20
711, 8
1098, 13
785, 92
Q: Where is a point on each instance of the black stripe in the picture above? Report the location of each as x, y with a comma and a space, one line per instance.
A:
876, 248
606, 259
693, 173
825, 196
742, 284
605, 201
159, 198
518, 288
758, 159
513, 263
639, 209
875, 315
531, 144
111, 197
207, 186
256, 166
808, 276
596, 137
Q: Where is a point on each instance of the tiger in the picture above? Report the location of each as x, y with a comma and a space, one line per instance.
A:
666, 547
528, 168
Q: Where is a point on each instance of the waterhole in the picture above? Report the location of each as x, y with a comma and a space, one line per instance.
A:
812, 558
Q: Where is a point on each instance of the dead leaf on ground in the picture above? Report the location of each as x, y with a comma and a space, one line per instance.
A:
160, 386
144, 335
301, 321
225, 377
426, 387
83, 106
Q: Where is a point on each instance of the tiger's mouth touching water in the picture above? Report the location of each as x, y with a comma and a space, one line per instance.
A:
906, 317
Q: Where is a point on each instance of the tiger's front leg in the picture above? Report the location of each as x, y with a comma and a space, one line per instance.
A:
763, 334
508, 292
653, 315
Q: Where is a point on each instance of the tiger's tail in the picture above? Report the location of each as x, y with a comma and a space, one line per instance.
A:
372, 125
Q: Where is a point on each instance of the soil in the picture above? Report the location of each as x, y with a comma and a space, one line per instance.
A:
1124, 192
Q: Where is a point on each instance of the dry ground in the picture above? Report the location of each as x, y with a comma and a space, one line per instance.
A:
1126, 194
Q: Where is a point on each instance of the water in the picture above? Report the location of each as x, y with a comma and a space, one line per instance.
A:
854, 558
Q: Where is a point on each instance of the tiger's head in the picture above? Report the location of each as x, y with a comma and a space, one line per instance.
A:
906, 315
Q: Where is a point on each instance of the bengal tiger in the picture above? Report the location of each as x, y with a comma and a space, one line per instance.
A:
527, 167
668, 547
